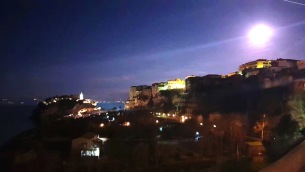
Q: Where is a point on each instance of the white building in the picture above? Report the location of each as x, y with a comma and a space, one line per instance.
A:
81, 96
87, 145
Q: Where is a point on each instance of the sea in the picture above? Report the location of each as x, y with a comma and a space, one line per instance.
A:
16, 119
112, 106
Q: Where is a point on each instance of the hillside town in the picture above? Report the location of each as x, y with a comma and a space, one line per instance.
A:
243, 120
269, 74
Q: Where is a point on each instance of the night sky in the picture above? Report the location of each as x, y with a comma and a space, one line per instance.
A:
56, 47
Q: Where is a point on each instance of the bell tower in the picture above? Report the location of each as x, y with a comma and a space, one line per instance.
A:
81, 96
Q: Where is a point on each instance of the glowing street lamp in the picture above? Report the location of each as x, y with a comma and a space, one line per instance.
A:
182, 119
126, 124
260, 34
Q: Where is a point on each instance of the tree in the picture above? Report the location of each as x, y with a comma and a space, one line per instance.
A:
260, 126
297, 109
286, 126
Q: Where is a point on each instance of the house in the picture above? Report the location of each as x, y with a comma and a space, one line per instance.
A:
87, 145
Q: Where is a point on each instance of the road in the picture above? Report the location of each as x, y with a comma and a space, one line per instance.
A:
293, 161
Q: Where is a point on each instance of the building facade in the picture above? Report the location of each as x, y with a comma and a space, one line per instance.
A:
257, 64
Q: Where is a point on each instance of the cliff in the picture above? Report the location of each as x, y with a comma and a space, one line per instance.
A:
56, 108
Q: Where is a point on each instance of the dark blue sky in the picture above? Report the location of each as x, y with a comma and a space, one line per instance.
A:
102, 47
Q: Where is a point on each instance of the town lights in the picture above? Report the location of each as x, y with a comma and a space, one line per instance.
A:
183, 119
102, 125
126, 124
157, 121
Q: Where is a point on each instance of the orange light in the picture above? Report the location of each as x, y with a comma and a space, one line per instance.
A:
126, 124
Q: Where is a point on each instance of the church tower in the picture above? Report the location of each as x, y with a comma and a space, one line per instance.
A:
81, 96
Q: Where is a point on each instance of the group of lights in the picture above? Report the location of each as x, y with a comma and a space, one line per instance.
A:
165, 114
91, 152
183, 118
126, 124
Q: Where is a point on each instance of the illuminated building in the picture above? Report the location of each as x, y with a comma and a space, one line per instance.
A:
257, 64
87, 145
176, 84
139, 96
169, 85
81, 96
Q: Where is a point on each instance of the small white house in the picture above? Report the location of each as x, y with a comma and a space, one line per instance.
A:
87, 145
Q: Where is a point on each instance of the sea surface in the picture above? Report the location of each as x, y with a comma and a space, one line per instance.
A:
14, 120
109, 106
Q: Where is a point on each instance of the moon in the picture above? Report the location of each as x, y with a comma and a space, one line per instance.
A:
260, 34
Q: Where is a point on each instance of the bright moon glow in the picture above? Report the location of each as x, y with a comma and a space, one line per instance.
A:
260, 34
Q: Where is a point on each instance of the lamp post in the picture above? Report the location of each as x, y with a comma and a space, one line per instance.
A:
263, 126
